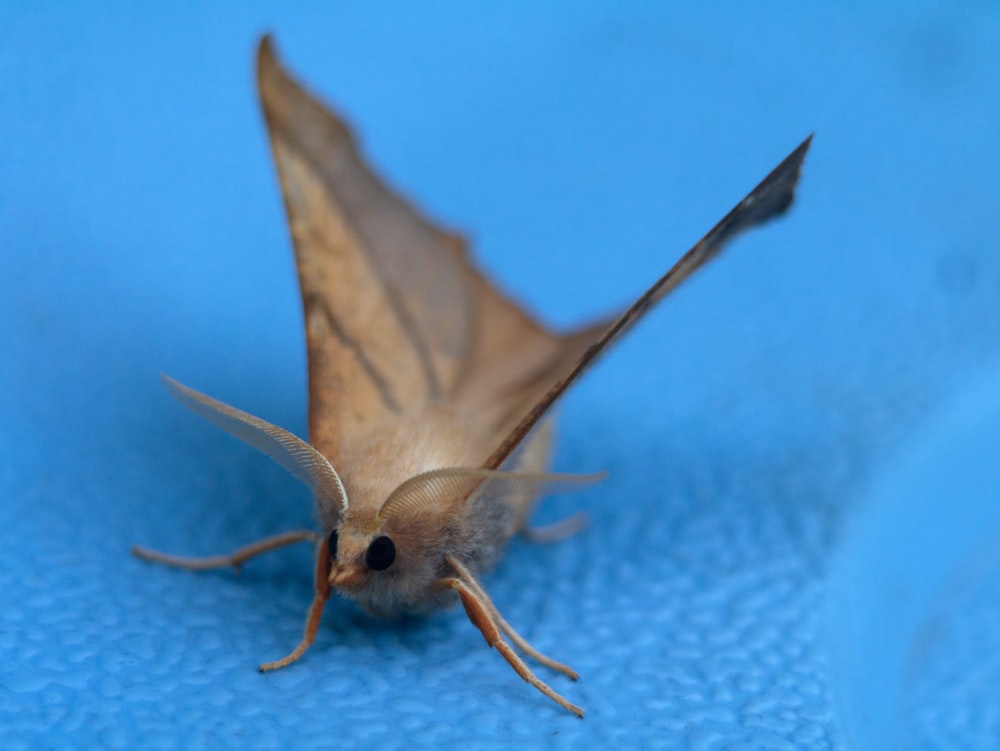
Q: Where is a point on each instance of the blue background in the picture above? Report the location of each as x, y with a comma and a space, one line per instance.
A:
797, 544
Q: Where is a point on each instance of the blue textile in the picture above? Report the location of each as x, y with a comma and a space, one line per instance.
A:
796, 547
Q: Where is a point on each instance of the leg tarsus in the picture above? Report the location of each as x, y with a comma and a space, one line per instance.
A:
525, 672
560, 530
312, 626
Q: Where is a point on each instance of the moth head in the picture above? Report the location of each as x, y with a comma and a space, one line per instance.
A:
356, 558
387, 564
392, 559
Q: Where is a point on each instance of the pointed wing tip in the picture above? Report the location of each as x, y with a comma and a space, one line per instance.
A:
792, 164
775, 193
268, 66
266, 55
288, 105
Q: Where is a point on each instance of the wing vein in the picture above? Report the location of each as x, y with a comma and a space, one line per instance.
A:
389, 291
369, 368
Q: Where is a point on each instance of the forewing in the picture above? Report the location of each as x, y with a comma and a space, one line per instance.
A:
396, 315
771, 198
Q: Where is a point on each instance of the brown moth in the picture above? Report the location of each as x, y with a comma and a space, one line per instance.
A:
427, 386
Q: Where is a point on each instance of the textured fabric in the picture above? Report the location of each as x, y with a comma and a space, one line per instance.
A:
754, 574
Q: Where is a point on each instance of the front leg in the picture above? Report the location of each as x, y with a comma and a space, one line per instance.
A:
482, 616
322, 594
519, 641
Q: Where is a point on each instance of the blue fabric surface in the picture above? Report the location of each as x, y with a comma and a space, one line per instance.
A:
753, 575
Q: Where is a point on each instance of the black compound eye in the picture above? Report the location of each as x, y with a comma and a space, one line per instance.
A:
381, 553
331, 543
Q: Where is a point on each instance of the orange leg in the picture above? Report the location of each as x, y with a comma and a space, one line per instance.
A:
315, 613
500, 621
484, 616
241, 556
236, 559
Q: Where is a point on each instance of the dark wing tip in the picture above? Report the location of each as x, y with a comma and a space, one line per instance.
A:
770, 199
791, 168
792, 164
776, 192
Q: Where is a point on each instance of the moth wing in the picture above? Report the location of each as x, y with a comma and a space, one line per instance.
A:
769, 199
396, 315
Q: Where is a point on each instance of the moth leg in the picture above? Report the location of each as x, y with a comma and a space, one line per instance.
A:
235, 559
312, 626
557, 531
466, 576
314, 616
482, 619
